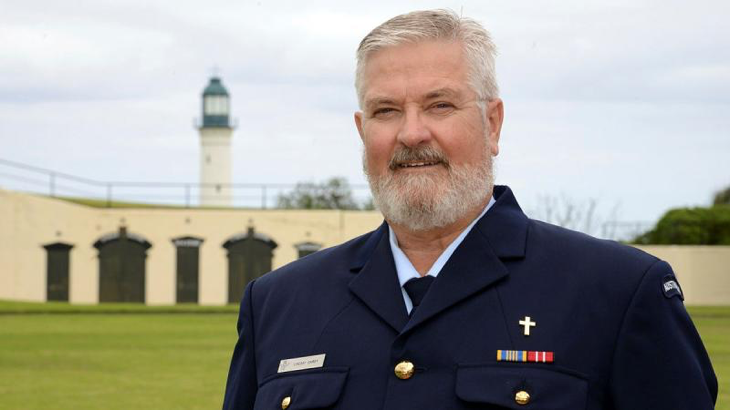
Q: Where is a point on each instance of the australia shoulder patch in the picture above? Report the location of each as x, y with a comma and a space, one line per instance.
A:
671, 288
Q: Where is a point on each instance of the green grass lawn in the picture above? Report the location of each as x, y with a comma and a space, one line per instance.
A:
59, 356
114, 361
713, 323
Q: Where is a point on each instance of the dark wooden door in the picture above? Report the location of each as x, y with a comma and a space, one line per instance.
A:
188, 254
249, 257
57, 271
122, 260
307, 248
110, 276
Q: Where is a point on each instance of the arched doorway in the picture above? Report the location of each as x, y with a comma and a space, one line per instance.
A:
249, 256
122, 260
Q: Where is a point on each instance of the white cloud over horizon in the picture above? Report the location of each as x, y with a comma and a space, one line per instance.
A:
623, 101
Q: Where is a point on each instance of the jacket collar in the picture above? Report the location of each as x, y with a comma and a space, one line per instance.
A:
476, 264
363, 255
505, 226
377, 284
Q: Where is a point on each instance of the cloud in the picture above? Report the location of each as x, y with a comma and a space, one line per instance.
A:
604, 98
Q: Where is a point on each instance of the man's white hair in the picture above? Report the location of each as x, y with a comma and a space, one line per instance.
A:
431, 25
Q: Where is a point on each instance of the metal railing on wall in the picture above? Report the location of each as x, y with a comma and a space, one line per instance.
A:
29, 178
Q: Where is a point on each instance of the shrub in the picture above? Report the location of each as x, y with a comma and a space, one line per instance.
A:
691, 226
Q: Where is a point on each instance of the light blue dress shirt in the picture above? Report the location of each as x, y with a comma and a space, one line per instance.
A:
404, 267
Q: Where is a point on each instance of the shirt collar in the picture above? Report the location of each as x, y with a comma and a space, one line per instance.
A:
403, 265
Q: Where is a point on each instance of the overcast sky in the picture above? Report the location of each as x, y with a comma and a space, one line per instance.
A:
624, 102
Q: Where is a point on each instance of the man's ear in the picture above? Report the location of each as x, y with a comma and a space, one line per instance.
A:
495, 117
358, 124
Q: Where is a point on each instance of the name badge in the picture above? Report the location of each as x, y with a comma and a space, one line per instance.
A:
301, 363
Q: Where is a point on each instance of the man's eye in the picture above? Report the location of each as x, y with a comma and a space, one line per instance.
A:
383, 112
442, 107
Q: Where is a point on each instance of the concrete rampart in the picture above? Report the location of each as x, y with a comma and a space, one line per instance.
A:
28, 222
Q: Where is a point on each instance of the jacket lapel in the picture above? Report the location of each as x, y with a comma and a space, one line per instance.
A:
471, 268
476, 264
377, 284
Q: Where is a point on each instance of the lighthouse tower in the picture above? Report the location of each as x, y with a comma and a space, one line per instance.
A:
215, 146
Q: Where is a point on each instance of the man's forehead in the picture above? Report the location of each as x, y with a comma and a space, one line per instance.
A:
436, 56
420, 70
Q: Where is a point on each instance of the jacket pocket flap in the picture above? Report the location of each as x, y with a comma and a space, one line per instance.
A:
548, 389
307, 389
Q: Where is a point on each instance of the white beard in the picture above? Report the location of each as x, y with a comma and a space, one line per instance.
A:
429, 200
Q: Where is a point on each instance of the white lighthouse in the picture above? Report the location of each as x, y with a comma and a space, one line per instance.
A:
215, 146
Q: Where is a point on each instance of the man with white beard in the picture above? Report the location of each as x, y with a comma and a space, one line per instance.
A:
459, 301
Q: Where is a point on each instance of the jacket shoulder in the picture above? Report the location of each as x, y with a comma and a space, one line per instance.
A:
614, 260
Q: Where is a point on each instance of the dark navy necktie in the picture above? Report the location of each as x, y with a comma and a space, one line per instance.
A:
416, 289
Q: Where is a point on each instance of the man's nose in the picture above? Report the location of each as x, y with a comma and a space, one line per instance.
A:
413, 131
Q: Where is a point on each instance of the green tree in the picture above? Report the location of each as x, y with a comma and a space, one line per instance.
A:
691, 226
722, 197
335, 193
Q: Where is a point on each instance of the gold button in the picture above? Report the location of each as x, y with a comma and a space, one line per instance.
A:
285, 403
522, 397
404, 370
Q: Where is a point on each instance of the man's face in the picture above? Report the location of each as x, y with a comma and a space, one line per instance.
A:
424, 130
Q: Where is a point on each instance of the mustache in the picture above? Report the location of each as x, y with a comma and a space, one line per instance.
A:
420, 154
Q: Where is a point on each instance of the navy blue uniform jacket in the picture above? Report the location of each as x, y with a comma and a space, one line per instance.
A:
620, 340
